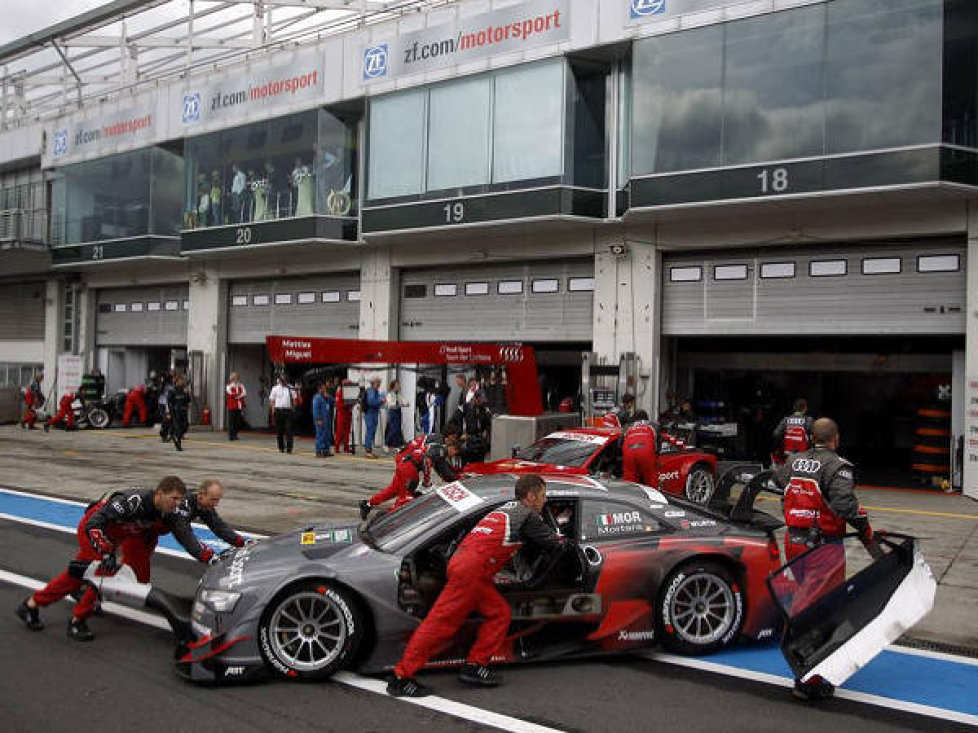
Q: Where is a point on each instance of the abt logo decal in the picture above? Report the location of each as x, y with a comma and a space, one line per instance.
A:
375, 61
191, 108
644, 8
60, 146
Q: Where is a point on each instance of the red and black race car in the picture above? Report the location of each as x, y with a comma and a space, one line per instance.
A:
641, 569
682, 470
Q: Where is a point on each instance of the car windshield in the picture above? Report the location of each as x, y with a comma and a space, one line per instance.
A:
562, 451
397, 527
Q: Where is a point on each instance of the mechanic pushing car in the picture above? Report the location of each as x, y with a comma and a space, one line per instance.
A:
106, 524
413, 464
199, 505
639, 452
794, 433
485, 551
819, 499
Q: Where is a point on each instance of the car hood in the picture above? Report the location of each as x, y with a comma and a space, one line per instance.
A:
518, 466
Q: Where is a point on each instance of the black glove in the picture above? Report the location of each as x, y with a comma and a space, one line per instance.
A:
109, 564
861, 525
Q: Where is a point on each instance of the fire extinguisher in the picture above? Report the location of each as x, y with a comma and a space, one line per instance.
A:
205, 416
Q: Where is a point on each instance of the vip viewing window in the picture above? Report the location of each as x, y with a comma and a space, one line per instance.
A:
446, 290
580, 285
775, 270
938, 263
827, 268
292, 166
509, 287
685, 274
477, 288
549, 285
881, 266
730, 272
415, 291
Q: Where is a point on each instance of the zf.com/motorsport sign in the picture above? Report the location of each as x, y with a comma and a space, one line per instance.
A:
516, 28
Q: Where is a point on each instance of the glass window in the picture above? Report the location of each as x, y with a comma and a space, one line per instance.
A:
580, 284
509, 287
773, 270
119, 308
458, 134
613, 519
396, 161
172, 305
306, 298
881, 266
938, 263
153, 306
827, 268
772, 97
446, 290
685, 274
477, 288
353, 296
883, 73
549, 285
259, 300
415, 291
528, 123
961, 73
239, 300
186, 305
676, 103
331, 296
298, 165
136, 307
730, 272
283, 298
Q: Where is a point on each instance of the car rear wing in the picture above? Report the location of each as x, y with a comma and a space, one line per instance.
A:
753, 480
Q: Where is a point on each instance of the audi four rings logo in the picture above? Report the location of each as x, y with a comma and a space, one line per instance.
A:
511, 353
806, 465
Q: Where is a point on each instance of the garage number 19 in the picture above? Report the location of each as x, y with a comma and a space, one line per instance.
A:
454, 212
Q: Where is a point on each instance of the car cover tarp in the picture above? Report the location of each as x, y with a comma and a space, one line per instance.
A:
835, 625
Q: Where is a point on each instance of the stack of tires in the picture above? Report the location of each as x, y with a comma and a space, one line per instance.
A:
932, 444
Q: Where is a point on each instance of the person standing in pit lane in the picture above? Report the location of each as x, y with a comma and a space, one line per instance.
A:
235, 394
819, 500
322, 417
794, 433
105, 525
282, 399
177, 407
639, 451
484, 552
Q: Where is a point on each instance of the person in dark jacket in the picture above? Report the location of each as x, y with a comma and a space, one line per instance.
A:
794, 433
322, 418
483, 553
106, 524
177, 407
474, 423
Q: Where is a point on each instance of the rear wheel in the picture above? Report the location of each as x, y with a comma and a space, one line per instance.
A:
310, 631
98, 418
700, 485
701, 609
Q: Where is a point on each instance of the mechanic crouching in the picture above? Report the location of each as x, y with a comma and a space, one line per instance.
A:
819, 500
484, 552
413, 465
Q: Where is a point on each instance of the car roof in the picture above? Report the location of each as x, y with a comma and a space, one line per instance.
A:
491, 486
599, 431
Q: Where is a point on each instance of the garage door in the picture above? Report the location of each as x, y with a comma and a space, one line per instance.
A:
144, 316
539, 301
895, 288
325, 306
22, 306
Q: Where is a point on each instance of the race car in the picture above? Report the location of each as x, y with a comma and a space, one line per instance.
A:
640, 569
682, 470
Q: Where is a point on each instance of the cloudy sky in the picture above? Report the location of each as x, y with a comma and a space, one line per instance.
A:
21, 17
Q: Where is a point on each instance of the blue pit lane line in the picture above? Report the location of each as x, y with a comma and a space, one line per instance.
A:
936, 681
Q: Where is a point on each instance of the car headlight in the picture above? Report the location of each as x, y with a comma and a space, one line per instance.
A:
221, 601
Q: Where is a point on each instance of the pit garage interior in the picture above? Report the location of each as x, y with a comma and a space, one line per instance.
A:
872, 336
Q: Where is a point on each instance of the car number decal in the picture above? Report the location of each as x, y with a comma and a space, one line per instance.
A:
458, 496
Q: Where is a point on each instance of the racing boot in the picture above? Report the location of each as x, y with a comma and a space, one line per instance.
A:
364, 509
78, 630
30, 616
478, 675
407, 687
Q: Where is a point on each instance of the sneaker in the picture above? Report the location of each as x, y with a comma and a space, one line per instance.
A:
368, 454
78, 630
407, 687
813, 691
30, 616
477, 674
364, 509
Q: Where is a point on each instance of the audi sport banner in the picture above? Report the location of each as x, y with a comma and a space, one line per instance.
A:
519, 361
469, 38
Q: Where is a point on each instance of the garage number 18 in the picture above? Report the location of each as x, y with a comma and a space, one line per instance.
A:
773, 180
454, 212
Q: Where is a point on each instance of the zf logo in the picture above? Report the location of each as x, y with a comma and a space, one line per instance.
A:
642, 8
375, 61
60, 142
191, 108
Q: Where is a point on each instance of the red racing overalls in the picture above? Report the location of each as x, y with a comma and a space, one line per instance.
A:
639, 456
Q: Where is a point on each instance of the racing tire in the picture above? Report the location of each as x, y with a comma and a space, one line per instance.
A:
700, 609
700, 485
99, 418
309, 631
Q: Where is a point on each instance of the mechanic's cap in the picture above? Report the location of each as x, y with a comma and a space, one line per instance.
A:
628, 398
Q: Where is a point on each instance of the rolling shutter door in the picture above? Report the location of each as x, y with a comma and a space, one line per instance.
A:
144, 316
904, 288
539, 301
22, 312
324, 306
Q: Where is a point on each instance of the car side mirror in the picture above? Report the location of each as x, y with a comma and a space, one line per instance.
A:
516, 450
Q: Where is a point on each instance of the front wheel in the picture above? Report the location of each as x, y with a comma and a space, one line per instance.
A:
98, 418
310, 631
701, 609
700, 485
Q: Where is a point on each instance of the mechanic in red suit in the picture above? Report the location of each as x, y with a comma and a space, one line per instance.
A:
819, 500
639, 456
413, 465
199, 505
344, 418
34, 399
135, 402
793, 434
105, 525
65, 412
484, 552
